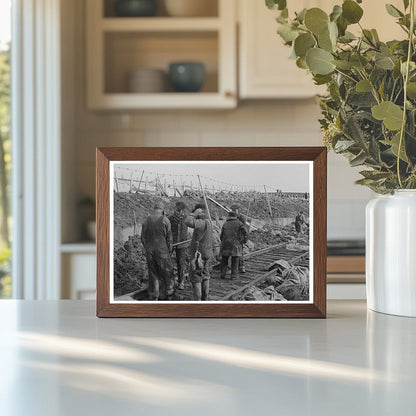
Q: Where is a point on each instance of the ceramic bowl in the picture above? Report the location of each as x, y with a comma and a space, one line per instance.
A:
135, 8
186, 76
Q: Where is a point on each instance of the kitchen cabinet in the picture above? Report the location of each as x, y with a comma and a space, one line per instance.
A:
265, 70
118, 45
78, 262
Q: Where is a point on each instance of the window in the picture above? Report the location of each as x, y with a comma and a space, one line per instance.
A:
5, 147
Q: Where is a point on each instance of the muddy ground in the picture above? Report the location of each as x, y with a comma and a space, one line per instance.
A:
130, 272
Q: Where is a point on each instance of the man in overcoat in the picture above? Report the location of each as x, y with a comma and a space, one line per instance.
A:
179, 234
201, 251
157, 242
233, 236
236, 208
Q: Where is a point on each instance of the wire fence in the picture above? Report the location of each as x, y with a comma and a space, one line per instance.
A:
130, 180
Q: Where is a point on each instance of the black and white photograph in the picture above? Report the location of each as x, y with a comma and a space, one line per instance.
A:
185, 231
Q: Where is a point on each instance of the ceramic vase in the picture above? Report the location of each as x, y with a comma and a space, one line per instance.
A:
391, 253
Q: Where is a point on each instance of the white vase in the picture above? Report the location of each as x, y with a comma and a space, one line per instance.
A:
391, 253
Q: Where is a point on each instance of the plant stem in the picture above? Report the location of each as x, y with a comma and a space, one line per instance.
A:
406, 80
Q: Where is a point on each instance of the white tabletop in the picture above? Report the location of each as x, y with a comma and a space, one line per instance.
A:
57, 358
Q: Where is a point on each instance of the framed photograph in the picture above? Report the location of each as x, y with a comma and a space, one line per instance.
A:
211, 232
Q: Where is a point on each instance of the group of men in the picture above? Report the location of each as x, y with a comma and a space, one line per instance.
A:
162, 235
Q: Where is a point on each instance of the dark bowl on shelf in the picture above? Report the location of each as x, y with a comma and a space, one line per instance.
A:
186, 76
135, 8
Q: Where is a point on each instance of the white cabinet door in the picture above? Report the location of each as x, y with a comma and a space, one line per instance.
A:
265, 68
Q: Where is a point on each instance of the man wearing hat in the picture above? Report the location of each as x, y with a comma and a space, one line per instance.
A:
233, 236
157, 242
201, 251
180, 234
236, 208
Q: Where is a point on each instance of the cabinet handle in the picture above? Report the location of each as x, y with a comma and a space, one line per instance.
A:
229, 94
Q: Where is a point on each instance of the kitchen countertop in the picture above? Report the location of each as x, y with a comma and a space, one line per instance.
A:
57, 358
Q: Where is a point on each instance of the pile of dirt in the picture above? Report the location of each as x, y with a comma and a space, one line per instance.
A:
131, 210
129, 267
129, 206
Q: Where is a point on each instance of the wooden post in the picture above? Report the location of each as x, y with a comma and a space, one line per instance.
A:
174, 189
135, 224
268, 202
140, 182
131, 183
205, 198
116, 181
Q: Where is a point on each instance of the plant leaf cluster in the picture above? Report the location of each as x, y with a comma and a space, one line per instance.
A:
366, 115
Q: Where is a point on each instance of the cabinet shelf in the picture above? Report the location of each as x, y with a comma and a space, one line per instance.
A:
160, 24
198, 100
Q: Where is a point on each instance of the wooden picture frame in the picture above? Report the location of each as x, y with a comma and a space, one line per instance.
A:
317, 159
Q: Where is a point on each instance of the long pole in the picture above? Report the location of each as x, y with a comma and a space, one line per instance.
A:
268, 202
205, 198
140, 182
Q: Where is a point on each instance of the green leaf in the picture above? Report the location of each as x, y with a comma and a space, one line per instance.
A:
411, 90
393, 11
303, 43
336, 12
344, 65
343, 145
363, 86
287, 33
301, 63
358, 61
374, 174
406, 4
325, 42
384, 62
316, 20
358, 160
351, 11
301, 15
388, 112
394, 145
276, 4
320, 61
321, 79
375, 35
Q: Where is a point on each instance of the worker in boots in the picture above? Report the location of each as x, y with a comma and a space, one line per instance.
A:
233, 236
299, 223
201, 251
180, 236
236, 208
157, 242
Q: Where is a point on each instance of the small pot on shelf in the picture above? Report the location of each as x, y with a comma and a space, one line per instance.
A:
135, 8
191, 8
187, 76
147, 81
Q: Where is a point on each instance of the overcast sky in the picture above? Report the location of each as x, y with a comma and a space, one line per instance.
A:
277, 175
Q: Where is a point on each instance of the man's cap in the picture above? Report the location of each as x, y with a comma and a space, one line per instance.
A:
181, 205
159, 205
235, 207
199, 206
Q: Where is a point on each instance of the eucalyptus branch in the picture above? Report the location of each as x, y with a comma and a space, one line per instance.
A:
406, 80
